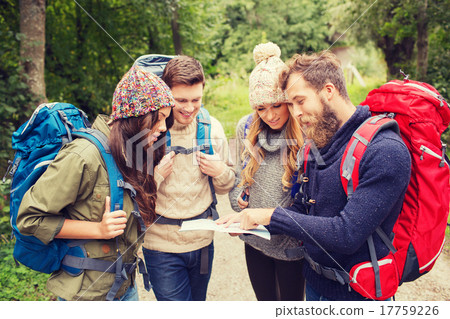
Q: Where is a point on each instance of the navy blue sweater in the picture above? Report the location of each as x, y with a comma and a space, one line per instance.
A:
334, 229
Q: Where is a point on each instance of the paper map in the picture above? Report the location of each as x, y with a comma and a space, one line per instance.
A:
209, 224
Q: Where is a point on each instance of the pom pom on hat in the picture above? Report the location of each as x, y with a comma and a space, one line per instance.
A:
140, 92
263, 81
264, 51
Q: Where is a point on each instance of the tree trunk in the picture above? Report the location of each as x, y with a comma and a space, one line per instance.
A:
32, 47
175, 29
422, 41
396, 54
151, 39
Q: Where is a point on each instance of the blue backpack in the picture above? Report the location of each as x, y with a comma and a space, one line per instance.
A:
37, 142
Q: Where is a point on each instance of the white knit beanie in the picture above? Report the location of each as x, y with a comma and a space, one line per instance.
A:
263, 81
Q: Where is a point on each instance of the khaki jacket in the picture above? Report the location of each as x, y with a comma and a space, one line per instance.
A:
75, 186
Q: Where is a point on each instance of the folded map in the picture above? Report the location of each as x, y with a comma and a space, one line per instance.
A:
209, 224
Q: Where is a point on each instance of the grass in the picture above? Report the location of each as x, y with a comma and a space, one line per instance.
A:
358, 92
20, 282
227, 100
447, 234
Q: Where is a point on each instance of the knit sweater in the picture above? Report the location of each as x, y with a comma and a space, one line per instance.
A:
267, 189
335, 229
186, 193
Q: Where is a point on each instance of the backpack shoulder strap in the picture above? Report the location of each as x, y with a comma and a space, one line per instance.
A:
248, 123
115, 177
204, 138
204, 130
357, 146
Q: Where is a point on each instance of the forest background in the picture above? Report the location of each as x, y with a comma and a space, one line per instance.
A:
77, 51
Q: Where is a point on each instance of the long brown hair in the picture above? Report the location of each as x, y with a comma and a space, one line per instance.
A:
289, 162
140, 177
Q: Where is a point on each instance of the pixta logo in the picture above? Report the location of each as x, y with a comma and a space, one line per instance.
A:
143, 155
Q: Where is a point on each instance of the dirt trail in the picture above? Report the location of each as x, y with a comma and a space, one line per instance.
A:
229, 279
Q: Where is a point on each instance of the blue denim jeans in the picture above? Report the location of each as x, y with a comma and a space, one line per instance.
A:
176, 276
130, 295
312, 295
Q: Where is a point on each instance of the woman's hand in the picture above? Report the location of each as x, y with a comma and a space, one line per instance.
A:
243, 203
113, 223
210, 165
165, 166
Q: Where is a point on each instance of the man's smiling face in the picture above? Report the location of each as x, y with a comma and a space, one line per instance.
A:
188, 100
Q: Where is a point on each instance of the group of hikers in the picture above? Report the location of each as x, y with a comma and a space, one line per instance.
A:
302, 100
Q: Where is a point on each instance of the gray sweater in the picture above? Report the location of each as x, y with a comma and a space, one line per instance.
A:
267, 189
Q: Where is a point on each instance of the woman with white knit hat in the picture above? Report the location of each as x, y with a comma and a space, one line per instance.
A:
264, 177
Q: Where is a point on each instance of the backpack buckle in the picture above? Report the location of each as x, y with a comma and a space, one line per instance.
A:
12, 168
405, 76
8, 170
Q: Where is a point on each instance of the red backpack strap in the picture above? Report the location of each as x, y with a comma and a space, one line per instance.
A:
358, 145
305, 155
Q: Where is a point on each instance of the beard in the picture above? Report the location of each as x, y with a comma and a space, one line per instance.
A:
321, 127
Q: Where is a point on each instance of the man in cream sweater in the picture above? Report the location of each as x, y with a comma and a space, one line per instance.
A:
179, 263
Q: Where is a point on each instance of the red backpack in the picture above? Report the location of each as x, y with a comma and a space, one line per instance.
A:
422, 116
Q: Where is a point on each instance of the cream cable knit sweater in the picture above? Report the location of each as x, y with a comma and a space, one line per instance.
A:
186, 193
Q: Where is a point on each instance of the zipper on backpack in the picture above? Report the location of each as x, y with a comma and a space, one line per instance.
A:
369, 265
425, 149
424, 89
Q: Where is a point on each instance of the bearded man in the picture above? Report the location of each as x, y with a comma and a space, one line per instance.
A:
332, 227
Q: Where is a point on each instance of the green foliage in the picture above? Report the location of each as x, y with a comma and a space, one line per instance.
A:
20, 283
447, 231
83, 63
15, 98
227, 100
295, 26
16, 282
388, 24
369, 62
358, 93
91, 45
5, 227
439, 49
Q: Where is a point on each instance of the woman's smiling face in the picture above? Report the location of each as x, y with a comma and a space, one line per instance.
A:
274, 115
